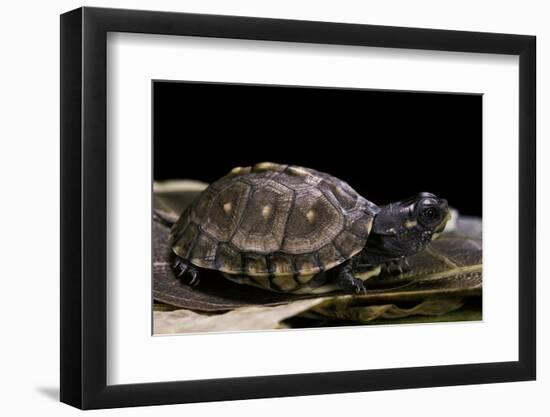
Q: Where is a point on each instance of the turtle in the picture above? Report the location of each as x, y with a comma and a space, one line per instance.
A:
293, 229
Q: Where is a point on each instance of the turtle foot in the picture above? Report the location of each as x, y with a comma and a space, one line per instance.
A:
348, 283
396, 267
186, 272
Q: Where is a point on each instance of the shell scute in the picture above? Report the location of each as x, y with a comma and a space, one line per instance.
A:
263, 224
312, 223
225, 211
185, 240
254, 264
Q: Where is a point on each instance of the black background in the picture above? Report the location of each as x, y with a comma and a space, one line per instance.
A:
387, 145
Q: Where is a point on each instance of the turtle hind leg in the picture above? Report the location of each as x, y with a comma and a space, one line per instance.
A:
347, 282
186, 271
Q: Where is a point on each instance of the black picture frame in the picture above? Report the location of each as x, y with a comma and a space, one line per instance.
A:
83, 207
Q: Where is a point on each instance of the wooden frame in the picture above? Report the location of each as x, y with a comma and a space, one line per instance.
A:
83, 207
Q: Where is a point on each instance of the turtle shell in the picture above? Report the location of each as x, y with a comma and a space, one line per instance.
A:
272, 220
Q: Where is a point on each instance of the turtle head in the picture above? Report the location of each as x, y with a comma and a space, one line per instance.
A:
406, 227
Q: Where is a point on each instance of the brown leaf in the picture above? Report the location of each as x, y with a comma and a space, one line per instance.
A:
451, 267
345, 310
244, 318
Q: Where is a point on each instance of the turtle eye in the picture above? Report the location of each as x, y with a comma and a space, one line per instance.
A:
429, 213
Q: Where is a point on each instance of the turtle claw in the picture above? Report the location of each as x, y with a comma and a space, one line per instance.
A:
186, 271
180, 266
348, 283
396, 267
194, 274
356, 286
360, 287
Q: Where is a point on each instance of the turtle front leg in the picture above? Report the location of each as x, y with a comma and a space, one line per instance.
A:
396, 267
187, 271
347, 282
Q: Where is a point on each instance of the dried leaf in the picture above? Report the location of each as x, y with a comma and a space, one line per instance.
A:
244, 318
347, 311
450, 269
172, 197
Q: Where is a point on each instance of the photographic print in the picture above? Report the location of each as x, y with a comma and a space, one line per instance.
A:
284, 207
276, 187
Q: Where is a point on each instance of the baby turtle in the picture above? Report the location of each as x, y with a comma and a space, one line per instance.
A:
292, 229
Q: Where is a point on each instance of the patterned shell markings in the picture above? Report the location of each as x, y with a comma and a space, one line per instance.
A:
274, 219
